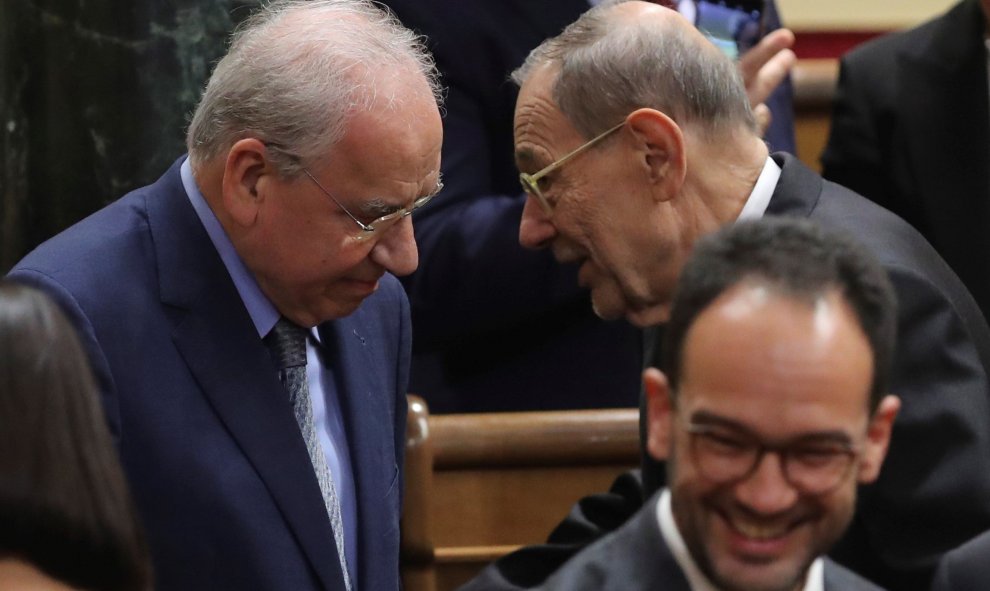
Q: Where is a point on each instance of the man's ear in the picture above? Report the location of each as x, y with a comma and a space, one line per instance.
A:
244, 179
878, 438
661, 150
659, 413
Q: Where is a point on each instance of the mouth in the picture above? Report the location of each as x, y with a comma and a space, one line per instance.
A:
759, 531
761, 540
365, 285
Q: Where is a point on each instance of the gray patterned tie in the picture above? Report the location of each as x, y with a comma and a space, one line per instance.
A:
287, 343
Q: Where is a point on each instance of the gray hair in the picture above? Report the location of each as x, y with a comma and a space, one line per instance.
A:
608, 69
295, 73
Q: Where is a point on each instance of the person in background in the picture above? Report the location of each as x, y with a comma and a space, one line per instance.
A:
623, 184
911, 131
496, 325
66, 518
242, 316
771, 409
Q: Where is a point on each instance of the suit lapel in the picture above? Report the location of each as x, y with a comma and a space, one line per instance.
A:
798, 189
369, 432
214, 334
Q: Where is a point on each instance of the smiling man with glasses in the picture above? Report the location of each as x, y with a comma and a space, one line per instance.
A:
770, 411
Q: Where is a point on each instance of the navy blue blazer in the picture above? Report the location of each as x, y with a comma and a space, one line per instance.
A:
207, 436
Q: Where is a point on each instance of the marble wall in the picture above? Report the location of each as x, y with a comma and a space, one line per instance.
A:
95, 96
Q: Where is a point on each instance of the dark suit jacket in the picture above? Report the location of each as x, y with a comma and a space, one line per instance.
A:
911, 131
966, 568
636, 558
499, 327
934, 490
206, 433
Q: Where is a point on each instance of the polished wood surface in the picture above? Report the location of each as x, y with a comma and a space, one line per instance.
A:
480, 486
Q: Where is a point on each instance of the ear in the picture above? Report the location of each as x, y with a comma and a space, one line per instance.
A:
244, 177
661, 150
659, 413
878, 438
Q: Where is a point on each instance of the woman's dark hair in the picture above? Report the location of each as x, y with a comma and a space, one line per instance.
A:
64, 504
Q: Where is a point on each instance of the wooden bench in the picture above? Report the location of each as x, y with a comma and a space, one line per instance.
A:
479, 486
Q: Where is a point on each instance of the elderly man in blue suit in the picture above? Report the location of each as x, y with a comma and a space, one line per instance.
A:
250, 341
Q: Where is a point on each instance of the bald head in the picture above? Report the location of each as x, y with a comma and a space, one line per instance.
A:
619, 57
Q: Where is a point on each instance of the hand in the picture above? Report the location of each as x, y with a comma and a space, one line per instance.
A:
763, 68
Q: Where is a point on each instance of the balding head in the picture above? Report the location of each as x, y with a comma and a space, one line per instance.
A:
619, 57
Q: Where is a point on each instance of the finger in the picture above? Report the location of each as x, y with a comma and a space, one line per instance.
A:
763, 117
753, 60
770, 76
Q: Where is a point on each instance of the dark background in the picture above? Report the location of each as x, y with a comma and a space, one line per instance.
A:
95, 96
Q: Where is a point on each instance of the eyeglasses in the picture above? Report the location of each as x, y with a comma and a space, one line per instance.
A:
385, 221
726, 457
531, 182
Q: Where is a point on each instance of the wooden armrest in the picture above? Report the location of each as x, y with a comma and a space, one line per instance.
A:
585, 437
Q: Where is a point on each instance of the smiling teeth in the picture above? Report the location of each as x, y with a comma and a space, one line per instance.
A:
759, 532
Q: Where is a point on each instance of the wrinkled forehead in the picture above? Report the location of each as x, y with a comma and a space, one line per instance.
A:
539, 124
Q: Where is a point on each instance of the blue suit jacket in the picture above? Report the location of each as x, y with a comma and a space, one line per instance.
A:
211, 448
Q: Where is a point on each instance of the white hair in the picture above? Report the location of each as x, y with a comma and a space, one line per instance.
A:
294, 74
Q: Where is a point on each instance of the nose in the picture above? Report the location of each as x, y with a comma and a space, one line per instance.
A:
766, 491
396, 250
535, 229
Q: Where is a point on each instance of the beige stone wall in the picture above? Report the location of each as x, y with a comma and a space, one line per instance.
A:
858, 15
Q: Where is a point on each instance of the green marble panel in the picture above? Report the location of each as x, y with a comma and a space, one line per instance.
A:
95, 96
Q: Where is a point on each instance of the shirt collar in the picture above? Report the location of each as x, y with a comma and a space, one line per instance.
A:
262, 311
759, 199
696, 579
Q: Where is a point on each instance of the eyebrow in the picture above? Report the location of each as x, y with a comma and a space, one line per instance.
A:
525, 156
377, 206
706, 418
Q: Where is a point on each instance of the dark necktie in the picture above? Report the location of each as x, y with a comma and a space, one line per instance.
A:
287, 343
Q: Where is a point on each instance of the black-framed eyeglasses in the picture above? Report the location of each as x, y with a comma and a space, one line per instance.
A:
531, 182
812, 466
384, 222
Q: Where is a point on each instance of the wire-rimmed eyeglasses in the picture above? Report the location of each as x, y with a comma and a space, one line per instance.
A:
531, 182
384, 222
